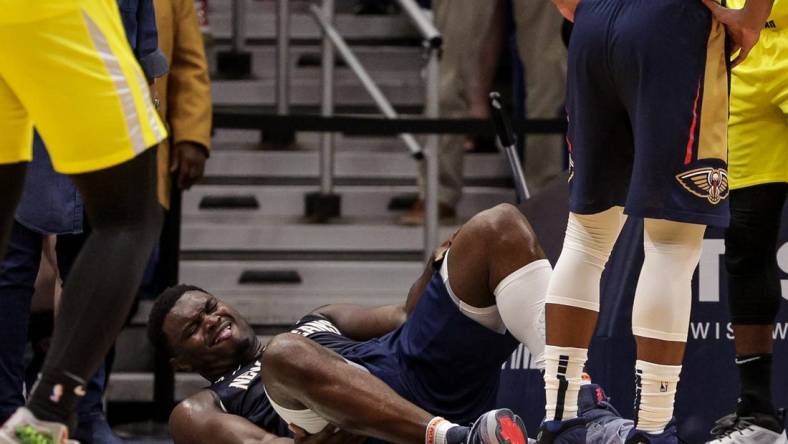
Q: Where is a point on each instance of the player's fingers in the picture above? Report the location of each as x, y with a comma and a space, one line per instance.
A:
720, 12
298, 432
196, 169
342, 437
183, 177
175, 160
745, 51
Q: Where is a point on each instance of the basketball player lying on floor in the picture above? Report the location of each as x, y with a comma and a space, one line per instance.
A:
391, 372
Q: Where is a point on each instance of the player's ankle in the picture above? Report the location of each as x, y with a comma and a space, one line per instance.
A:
655, 394
442, 431
55, 397
563, 376
755, 376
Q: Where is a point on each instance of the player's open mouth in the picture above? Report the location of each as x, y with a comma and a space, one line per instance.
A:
223, 333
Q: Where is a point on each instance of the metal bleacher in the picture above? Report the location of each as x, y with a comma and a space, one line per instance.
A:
259, 252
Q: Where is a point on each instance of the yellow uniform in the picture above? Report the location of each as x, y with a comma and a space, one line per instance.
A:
758, 129
66, 67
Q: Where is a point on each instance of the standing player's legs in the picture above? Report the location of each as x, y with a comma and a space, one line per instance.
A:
758, 131
86, 94
12, 179
679, 180
660, 316
16, 141
600, 151
125, 219
573, 300
754, 289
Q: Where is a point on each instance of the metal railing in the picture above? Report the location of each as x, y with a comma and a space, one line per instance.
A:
282, 57
332, 40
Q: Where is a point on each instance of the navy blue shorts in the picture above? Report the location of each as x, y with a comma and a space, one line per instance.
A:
440, 360
648, 107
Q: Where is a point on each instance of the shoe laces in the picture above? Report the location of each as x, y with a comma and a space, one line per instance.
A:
730, 424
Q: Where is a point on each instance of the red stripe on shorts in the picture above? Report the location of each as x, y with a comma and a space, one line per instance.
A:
691, 141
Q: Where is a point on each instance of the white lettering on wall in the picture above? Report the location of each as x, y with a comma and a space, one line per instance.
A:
709, 269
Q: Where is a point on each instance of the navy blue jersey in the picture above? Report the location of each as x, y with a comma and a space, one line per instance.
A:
241, 393
647, 103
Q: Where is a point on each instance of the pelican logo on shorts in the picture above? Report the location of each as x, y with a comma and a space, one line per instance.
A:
708, 183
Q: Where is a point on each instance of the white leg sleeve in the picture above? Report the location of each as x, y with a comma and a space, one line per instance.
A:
664, 293
520, 300
306, 419
587, 246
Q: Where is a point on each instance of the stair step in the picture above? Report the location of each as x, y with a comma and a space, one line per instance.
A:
333, 277
239, 232
226, 139
282, 307
378, 60
401, 89
347, 165
238, 200
261, 25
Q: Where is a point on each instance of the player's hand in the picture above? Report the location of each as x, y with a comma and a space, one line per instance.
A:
187, 159
743, 25
567, 8
329, 435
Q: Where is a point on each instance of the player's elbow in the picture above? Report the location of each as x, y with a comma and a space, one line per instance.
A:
182, 424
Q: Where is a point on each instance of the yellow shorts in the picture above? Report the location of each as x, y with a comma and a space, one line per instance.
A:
74, 77
758, 129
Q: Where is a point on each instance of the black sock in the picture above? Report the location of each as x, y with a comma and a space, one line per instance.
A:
55, 397
457, 435
755, 374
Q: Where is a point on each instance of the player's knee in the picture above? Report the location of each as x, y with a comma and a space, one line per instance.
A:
285, 354
748, 250
758, 306
754, 290
504, 229
593, 235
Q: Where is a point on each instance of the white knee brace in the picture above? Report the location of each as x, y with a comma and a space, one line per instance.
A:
587, 246
663, 297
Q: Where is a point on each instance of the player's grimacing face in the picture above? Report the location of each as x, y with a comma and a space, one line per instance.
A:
204, 332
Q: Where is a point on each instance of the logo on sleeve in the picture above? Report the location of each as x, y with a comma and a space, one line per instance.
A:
317, 326
708, 183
